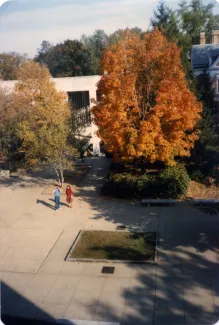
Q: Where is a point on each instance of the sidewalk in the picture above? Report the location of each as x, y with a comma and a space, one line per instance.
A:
182, 288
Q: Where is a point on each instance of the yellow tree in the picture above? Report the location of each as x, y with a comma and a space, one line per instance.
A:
45, 131
146, 108
12, 111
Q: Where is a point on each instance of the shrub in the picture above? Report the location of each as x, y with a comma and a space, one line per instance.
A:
171, 183
147, 186
211, 157
214, 173
197, 176
120, 185
174, 182
117, 167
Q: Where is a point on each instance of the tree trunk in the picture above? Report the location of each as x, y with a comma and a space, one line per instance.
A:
9, 159
61, 174
62, 177
57, 173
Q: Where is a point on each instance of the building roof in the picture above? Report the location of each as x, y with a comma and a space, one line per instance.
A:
203, 56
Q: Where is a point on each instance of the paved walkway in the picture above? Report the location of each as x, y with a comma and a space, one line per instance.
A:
182, 288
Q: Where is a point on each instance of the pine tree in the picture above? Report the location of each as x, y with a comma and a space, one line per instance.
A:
165, 21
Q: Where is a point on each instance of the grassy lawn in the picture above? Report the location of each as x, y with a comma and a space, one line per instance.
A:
113, 245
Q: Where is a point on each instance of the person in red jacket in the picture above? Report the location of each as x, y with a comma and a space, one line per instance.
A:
69, 196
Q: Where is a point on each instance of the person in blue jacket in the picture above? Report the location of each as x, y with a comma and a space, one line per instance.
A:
57, 194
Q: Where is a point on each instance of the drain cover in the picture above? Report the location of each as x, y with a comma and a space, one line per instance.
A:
120, 227
108, 269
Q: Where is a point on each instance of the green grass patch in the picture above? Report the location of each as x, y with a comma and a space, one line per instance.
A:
113, 245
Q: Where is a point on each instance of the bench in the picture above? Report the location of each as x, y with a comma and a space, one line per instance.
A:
204, 201
149, 202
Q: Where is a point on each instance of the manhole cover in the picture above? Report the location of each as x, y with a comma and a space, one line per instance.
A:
120, 227
108, 269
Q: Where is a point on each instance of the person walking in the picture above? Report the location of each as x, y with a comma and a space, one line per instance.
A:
57, 194
69, 196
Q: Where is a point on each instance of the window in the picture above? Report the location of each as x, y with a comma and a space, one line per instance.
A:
79, 99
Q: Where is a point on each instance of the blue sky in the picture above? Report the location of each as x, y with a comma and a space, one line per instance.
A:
24, 24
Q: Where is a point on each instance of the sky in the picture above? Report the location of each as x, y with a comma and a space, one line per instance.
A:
24, 24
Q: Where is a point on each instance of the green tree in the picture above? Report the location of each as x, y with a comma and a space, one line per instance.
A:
10, 64
184, 26
45, 53
95, 44
205, 93
45, 133
12, 111
67, 59
7, 122
119, 34
194, 18
166, 21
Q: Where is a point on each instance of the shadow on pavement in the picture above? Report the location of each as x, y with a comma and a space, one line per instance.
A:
48, 205
51, 206
184, 285
61, 203
17, 310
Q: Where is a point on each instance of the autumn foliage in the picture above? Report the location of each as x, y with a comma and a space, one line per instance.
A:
146, 108
45, 131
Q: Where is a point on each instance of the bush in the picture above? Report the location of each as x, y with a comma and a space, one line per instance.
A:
171, 183
120, 185
147, 186
174, 182
214, 173
211, 157
197, 176
117, 167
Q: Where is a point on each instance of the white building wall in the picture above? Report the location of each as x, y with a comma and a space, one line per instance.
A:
88, 83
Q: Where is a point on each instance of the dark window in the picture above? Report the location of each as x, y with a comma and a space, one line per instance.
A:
79, 99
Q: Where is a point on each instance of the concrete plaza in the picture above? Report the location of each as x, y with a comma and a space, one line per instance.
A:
181, 288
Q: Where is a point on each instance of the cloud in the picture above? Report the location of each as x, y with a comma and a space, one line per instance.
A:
23, 31
24, 24
65, 16
31, 5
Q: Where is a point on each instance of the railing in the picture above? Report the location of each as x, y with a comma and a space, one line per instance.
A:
82, 117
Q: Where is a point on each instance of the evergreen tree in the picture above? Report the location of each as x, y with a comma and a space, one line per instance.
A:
95, 44
165, 20
205, 93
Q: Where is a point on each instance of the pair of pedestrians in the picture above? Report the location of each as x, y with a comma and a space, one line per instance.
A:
57, 195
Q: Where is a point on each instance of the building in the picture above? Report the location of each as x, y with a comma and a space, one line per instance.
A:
80, 91
205, 62
205, 59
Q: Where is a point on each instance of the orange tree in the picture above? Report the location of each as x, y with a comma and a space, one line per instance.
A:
146, 108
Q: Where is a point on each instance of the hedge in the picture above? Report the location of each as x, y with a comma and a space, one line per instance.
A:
172, 182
